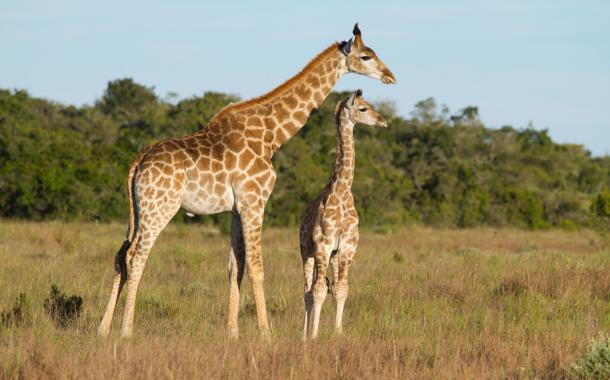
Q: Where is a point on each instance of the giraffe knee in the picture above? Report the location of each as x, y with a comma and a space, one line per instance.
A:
320, 290
256, 276
340, 291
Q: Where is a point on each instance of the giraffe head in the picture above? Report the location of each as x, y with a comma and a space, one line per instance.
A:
363, 60
359, 111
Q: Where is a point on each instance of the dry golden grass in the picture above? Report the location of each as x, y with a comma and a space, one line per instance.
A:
423, 303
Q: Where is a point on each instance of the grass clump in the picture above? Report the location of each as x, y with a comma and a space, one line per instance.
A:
19, 314
62, 308
195, 287
158, 307
467, 251
595, 362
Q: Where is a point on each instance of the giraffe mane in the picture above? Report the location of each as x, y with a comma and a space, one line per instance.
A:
338, 111
290, 83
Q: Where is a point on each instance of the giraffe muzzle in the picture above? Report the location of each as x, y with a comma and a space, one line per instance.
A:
381, 123
388, 77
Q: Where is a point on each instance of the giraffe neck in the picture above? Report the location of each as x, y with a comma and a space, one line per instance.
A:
343, 174
292, 110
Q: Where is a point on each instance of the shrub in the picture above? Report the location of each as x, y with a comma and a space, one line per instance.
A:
20, 312
569, 225
62, 308
595, 362
599, 213
601, 204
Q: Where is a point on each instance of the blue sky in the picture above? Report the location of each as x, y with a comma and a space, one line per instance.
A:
545, 62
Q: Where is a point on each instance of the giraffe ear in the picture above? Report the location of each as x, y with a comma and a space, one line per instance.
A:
347, 47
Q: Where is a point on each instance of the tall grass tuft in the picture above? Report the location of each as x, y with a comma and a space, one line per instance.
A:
19, 314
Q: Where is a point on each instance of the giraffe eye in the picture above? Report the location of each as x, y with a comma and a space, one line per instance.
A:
362, 109
365, 58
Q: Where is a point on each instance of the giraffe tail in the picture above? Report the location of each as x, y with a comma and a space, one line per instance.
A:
133, 221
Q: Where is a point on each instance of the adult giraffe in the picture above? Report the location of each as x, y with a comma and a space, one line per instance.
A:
227, 167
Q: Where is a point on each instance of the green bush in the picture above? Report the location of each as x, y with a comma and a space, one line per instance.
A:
599, 213
64, 162
601, 204
62, 308
569, 225
595, 362
20, 313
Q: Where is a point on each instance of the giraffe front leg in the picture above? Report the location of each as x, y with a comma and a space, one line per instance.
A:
237, 260
252, 221
347, 252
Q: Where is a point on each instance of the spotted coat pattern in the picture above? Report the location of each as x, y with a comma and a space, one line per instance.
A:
329, 231
226, 167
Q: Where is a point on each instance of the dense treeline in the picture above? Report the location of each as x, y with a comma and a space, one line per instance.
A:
61, 161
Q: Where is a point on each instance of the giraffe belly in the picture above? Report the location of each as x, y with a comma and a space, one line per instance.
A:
199, 202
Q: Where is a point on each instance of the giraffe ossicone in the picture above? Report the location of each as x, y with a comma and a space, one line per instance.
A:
329, 231
227, 167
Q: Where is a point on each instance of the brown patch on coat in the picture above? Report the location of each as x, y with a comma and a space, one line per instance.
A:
300, 117
258, 166
281, 113
291, 128
256, 146
230, 161
291, 102
245, 159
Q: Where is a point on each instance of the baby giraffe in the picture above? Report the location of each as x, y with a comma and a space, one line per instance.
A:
329, 231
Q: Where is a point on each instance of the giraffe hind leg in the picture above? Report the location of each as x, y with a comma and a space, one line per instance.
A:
334, 265
135, 268
120, 277
237, 262
309, 273
149, 229
320, 288
340, 290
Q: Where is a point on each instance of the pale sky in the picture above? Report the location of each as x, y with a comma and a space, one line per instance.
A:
545, 62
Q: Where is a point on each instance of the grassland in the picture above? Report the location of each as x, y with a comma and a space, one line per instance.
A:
423, 303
